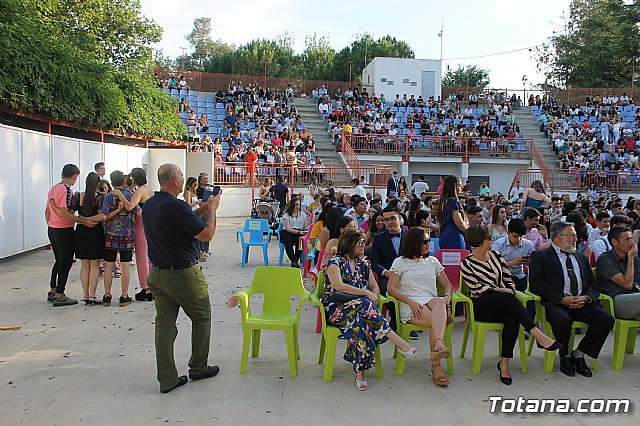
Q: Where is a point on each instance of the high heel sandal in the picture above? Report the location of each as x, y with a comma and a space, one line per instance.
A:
361, 385
443, 352
408, 354
441, 380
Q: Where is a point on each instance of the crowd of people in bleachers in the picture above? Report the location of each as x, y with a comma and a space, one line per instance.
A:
598, 136
421, 120
248, 125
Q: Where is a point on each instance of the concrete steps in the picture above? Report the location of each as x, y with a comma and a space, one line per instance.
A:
530, 128
317, 127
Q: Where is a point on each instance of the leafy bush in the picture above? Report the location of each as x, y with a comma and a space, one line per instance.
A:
46, 74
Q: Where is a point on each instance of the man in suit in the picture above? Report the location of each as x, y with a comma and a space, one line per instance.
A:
392, 185
563, 279
385, 249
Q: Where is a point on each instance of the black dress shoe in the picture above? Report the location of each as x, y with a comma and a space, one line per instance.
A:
505, 380
182, 380
212, 370
566, 366
581, 366
553, 347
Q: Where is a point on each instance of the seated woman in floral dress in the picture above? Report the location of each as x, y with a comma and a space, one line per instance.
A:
350, 302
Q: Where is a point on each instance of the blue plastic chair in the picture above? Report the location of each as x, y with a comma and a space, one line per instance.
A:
280, 228
257, 229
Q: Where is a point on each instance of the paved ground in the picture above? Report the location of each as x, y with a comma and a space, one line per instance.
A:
96, 365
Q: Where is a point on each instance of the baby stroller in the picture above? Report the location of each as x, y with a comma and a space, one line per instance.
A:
266, 209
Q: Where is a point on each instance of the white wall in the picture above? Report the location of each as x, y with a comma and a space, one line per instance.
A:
32, 163
198, 162
160, 156
397, 70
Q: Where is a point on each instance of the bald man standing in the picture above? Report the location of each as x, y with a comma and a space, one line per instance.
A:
176, 280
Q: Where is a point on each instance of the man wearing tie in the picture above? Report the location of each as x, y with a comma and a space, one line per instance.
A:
392, 186
563, 279
385, 249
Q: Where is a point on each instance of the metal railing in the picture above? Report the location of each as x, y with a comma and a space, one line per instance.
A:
299, 175
434, 146
557, 180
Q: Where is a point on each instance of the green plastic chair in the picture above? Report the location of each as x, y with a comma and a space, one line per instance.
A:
624, 334
277, 284
405, 329
541, 317
480, 328
329, 335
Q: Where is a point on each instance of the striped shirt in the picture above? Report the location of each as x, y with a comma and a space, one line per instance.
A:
484, 276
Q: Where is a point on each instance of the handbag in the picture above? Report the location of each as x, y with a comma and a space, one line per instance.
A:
341, 297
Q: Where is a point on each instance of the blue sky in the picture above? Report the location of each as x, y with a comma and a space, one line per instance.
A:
471, 27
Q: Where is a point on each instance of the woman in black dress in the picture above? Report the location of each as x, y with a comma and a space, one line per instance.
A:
90, 241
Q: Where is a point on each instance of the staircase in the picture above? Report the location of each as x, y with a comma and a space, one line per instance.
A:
530, 129
317, 127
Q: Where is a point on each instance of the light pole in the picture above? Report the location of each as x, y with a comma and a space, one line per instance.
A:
184, 49
350, 78
524, 88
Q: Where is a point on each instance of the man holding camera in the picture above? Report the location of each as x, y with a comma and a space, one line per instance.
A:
176, 280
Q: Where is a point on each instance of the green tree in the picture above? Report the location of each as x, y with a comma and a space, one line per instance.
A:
362, 51
111, 31
43, 73
461, 76
598, 46
204, 46
317, 57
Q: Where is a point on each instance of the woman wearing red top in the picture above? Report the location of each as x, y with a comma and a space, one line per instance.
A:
251, 159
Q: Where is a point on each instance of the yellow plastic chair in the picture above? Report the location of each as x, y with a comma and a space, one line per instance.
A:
277, 284
405, 329
480, 328
329, 335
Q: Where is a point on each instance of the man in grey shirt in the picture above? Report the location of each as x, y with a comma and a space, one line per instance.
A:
618, 274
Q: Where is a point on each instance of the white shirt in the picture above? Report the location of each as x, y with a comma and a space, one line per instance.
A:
417, 280
359, 190
600, 246
576, 269
419, 187
513, 195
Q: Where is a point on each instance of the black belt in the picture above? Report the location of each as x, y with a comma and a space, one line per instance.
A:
178, 267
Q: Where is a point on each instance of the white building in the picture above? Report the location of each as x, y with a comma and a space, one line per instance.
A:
399, 76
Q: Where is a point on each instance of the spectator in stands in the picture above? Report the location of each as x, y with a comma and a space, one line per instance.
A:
484, 189
358, 189
474, 215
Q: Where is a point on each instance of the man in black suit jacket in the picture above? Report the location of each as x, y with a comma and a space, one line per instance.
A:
564, 281
384, 250
392, 185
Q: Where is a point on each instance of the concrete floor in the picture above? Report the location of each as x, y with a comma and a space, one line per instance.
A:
96, 365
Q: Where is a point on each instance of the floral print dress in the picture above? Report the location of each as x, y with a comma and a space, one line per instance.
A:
359, 320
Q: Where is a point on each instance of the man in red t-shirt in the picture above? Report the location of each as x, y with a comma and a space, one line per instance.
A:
61, 222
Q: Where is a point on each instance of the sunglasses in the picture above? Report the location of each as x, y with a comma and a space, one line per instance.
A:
361, 243
103, 188
426, 241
